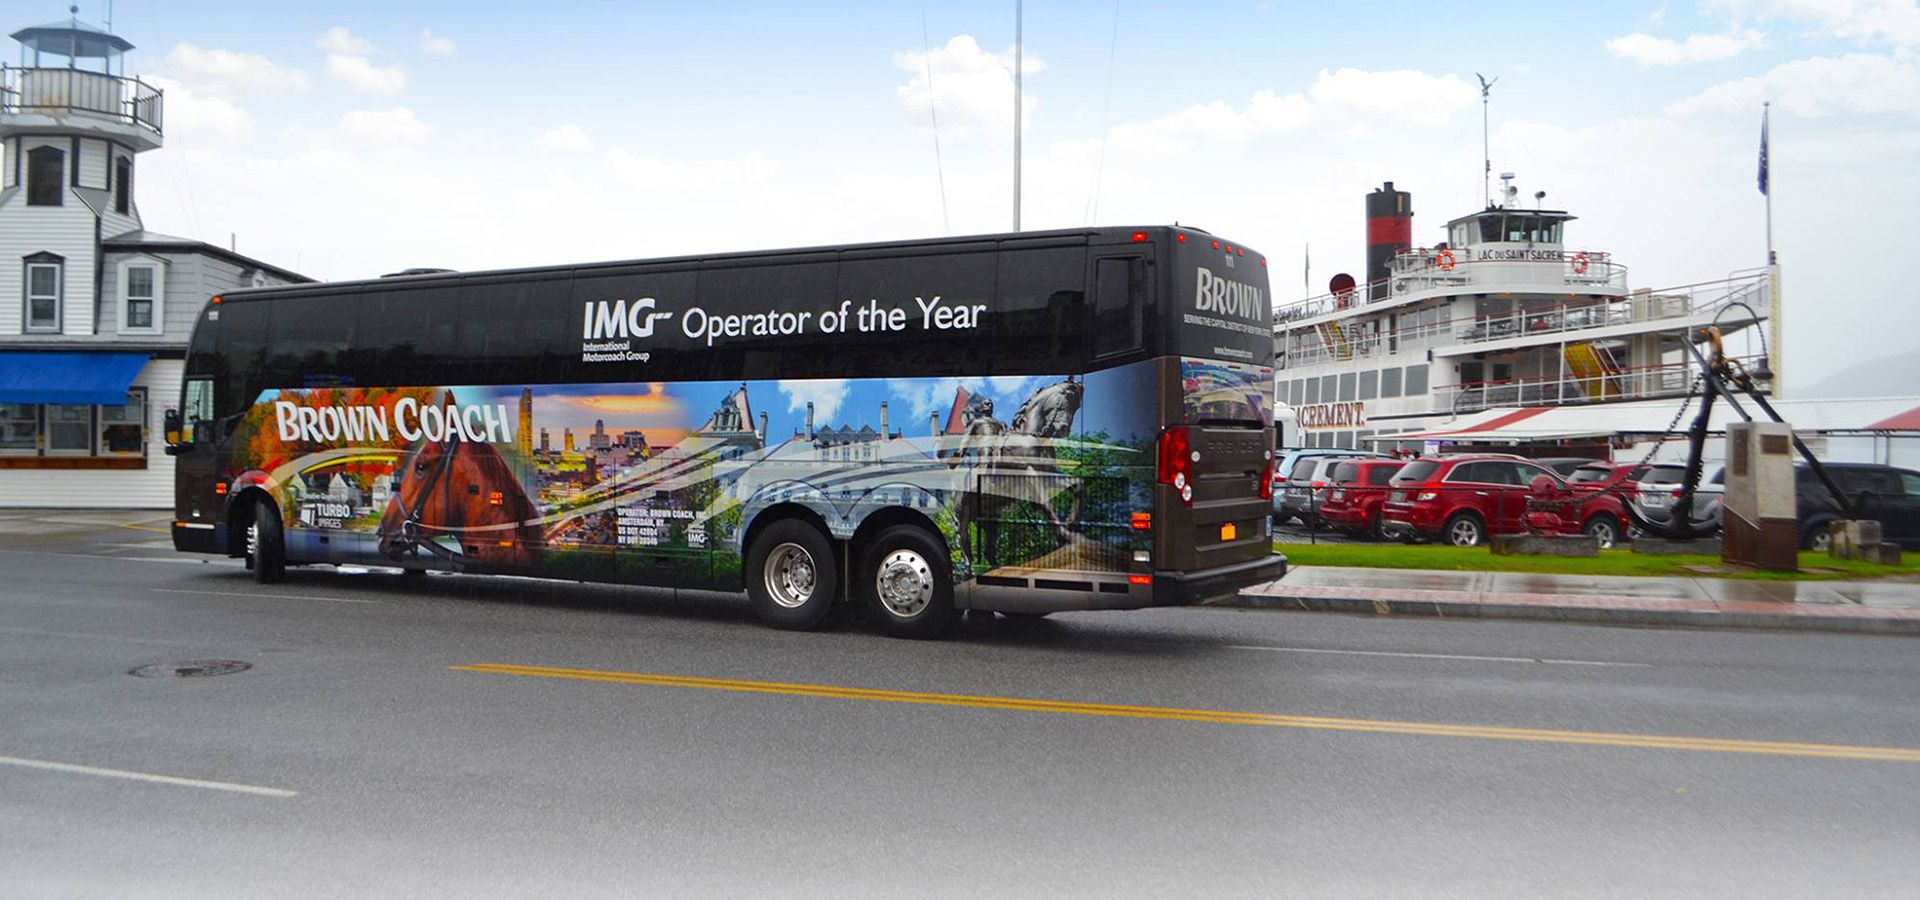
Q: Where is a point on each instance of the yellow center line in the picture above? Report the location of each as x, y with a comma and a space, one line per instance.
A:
1223, 717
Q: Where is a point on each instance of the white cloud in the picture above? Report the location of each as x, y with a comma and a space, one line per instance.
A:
971, 90
225, 73
437, 46
651, 172
192, 116
357, 73
385, 126
1895, 21
565, 139
339, 40
1349, 101
1863, 84
826, 395
1649, 50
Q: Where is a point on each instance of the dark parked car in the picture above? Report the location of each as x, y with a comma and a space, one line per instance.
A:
1305, 488
1463, 500
1359, 488
1892, 498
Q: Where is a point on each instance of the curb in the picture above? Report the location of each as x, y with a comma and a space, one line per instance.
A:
1848, 619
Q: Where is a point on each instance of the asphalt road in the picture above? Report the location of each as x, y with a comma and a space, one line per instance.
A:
615, 742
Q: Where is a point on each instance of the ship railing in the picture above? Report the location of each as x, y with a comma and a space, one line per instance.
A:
1562, 316
1624, 383
1425, 269
1310, 346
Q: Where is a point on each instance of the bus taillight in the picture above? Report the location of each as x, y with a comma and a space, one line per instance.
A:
1176, 461
1266, 478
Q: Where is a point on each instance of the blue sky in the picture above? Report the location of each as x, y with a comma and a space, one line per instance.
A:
348, 139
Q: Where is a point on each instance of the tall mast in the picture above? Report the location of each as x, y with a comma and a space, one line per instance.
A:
1486, 150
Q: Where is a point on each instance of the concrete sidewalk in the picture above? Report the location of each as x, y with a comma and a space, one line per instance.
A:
1886, 607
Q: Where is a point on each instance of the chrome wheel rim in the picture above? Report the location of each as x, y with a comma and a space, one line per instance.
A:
790, 575
1464, 533
253, 540
904, 583
1603, 531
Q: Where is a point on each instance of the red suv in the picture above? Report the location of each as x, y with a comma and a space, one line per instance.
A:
1462, 500
1357, 489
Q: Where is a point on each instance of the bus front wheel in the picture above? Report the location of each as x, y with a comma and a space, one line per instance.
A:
792, 579
906, 583
266, 544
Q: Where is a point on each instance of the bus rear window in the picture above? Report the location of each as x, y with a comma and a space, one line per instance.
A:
1225, 393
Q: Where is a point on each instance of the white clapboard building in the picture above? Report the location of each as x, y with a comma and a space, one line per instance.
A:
95, 311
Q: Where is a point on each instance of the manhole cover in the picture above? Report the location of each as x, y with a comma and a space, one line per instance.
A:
199, 668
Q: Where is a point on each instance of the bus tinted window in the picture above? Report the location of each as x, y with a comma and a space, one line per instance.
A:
670, 357
900, 294
1039, 324
508, 329
1119, 300
795, 286
240, 340
405, 337
307, 338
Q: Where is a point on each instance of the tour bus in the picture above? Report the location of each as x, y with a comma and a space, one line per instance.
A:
1025, 423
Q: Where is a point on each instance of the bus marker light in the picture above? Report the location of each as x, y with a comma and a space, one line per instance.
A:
1228, 532
1179, 238
1139, 579
220, 488
1142, 521
215, 301
1139, 237
496, 498
506, 543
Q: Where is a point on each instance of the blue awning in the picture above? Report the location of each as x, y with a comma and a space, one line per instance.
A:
93, 379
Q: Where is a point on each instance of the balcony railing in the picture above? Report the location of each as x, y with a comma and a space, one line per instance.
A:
61, 91
1567, 318
1422, 270
1642, 383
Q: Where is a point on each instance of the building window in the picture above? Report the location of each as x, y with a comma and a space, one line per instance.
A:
44, 277
19, 428
140, 284
46, 170
1416, 381
123, 429
122, 185
69, 429
1390, 382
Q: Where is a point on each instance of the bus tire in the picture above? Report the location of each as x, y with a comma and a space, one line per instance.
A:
266, 543
906, 583
792, 580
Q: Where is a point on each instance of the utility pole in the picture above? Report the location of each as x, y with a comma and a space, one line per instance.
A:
1486, 149
1017, 17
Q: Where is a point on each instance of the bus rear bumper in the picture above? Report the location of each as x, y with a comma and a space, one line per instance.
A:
1188, 588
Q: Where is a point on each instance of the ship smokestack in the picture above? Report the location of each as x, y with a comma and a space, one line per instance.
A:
1389, 231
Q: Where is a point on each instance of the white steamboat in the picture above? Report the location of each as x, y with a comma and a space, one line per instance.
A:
1463, 342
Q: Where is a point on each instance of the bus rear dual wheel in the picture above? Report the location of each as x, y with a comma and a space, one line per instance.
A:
902, 581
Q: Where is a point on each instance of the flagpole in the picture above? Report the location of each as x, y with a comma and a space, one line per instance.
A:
1766, 188
1776, 349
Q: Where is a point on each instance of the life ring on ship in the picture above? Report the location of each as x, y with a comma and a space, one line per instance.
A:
1580, 263
1446, 260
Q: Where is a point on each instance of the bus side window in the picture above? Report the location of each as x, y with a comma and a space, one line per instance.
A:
1039, 314
197, 412
239, 343
1119, 301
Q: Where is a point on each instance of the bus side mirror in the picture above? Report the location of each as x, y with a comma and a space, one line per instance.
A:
172, 427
